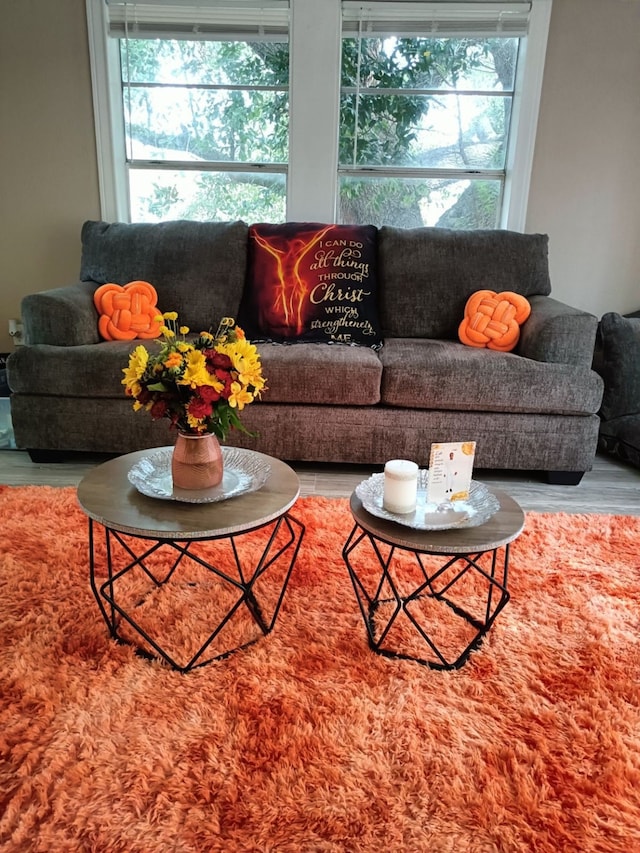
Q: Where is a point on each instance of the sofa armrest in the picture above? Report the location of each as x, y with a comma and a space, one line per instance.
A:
557, 332
65, 316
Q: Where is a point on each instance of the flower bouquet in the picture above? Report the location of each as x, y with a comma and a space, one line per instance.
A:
200, 385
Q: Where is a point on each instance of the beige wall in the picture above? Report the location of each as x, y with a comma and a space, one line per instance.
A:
49, 183
585, 190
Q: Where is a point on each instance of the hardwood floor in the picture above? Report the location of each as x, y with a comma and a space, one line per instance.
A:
611, 487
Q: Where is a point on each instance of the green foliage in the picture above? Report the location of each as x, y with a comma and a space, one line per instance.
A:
232, 125
162, 200
477, 207
249, 125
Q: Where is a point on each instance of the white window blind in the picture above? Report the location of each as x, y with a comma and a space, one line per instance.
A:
209, 19
436, 19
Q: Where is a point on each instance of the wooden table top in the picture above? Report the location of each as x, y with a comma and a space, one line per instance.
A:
503, 527
106, 495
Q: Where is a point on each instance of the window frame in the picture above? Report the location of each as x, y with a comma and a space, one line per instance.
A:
315, 34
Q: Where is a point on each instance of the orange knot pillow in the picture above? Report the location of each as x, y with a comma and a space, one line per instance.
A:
493, 320
127, 312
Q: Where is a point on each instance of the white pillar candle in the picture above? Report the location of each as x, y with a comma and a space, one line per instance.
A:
400, 486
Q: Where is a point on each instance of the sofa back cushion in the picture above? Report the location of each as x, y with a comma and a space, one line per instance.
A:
426, 275
617, 359
197, 268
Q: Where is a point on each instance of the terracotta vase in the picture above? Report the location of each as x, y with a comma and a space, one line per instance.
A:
196, 462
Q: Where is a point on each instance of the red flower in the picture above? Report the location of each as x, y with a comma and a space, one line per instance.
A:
215, 359
199, 408
209, 394
227, 378
158, 410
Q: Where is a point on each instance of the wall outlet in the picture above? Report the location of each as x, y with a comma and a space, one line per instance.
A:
15, 331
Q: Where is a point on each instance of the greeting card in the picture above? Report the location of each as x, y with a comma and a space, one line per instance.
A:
450, 471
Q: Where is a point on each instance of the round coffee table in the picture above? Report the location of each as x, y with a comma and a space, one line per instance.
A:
414, 605
149, 542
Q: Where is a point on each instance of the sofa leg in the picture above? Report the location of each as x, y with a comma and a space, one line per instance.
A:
43, 456
564, 478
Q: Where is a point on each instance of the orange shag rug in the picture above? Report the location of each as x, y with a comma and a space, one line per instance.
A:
307, 741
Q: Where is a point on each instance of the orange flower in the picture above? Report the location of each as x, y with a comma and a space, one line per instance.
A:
174, 359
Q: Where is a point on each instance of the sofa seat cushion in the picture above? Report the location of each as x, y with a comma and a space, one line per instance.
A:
429, 374
91, 370
426, 275
197, 268
321, 374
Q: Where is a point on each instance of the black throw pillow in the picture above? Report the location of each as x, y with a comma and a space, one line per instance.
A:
309, 282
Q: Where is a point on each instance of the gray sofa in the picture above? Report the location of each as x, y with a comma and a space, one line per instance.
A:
531, 409
617, 360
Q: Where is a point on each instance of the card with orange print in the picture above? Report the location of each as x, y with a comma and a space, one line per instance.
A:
450, 471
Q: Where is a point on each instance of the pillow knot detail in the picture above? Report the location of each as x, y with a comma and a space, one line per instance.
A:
493, 320
127, 311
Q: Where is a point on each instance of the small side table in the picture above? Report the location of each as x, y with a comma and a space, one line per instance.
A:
430, 596
150, 542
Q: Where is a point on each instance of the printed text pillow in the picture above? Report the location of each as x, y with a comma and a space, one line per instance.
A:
308, 282
493, 320
127, 311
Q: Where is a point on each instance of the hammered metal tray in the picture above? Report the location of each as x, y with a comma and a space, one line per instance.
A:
473, 512
244, 472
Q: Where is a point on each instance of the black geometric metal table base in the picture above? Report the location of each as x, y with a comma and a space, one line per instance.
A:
391, 613
277, 558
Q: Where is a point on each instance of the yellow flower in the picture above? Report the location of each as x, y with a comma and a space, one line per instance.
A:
245, 359
184, 330
170, 315
196, 372
196, 423
246, 362
138, 361
183, 346
134, 390
239, 397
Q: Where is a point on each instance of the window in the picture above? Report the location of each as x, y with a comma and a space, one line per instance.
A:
424, 124
202, 106
402, 113
216, 114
